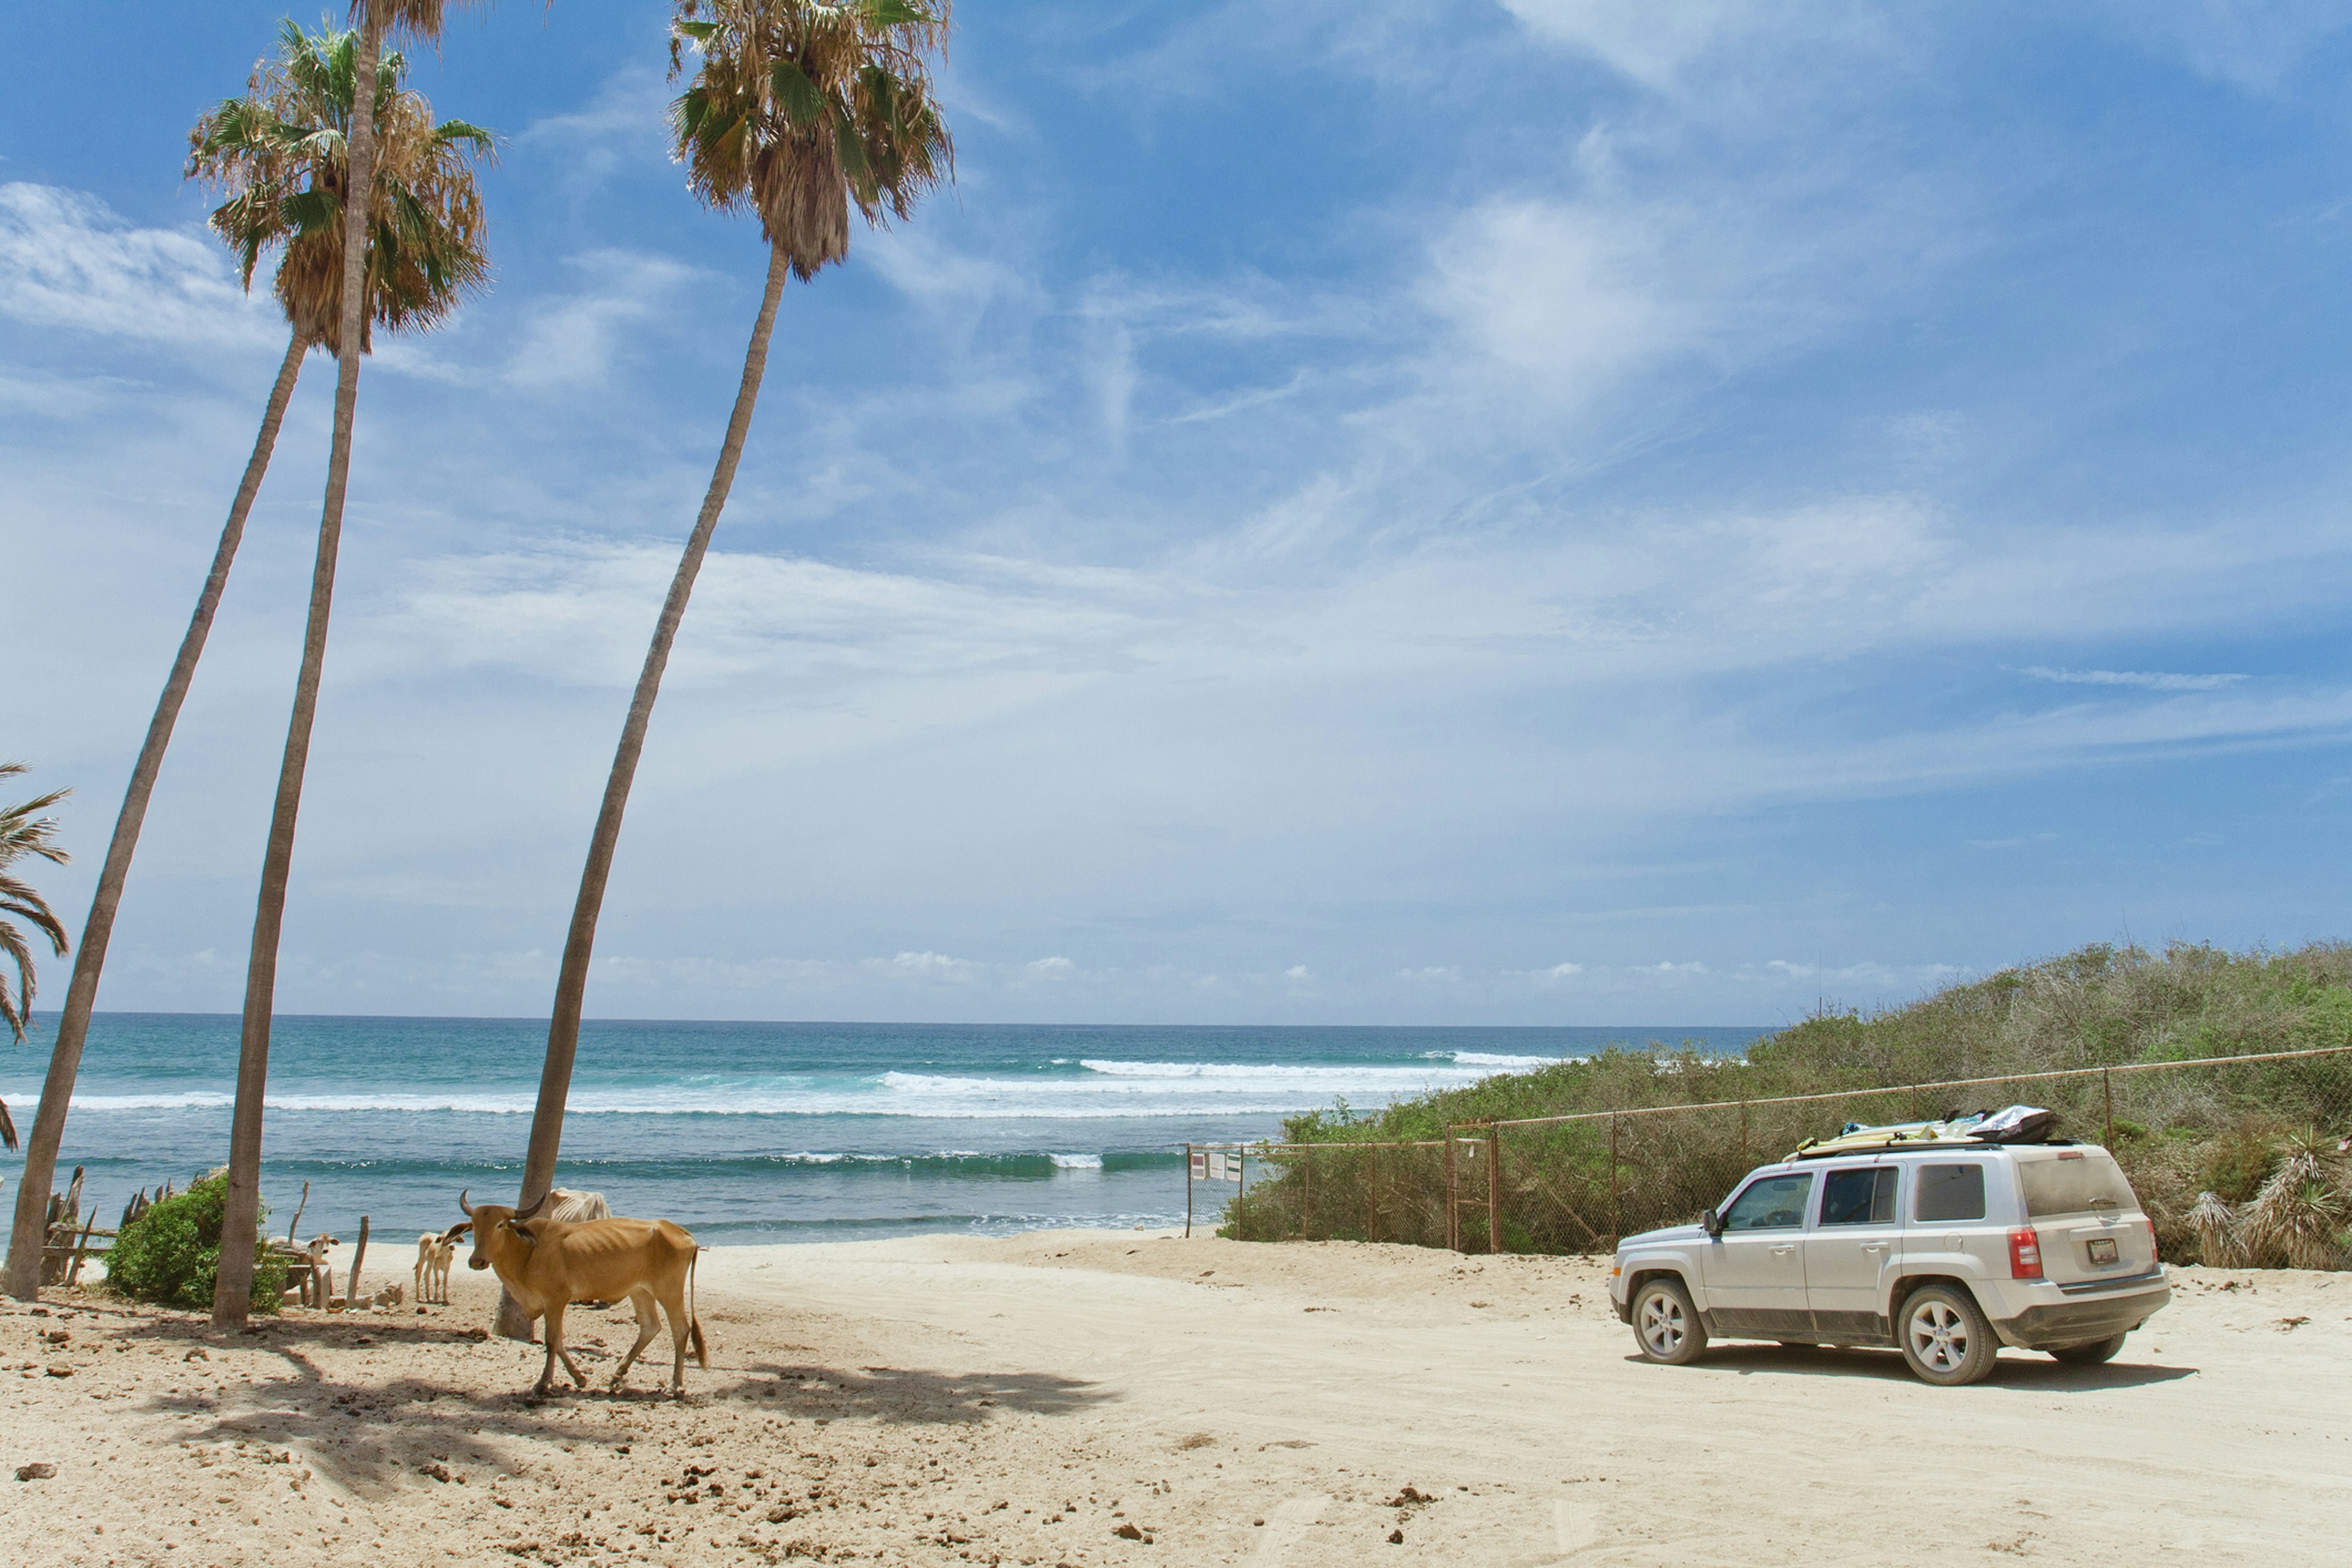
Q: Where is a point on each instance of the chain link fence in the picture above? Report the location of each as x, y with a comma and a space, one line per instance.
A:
2226, 1126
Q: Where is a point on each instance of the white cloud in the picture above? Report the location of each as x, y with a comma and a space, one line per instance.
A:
570, 343
1567, 297
628, 117
1647, 41
2146, 679
69, 261
2251, 43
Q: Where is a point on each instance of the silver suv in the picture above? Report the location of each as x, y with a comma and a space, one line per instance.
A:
1947, 1251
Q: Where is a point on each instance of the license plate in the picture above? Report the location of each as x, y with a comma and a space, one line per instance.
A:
2102, 1250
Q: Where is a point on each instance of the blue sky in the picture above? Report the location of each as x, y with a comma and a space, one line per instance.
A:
1414, 511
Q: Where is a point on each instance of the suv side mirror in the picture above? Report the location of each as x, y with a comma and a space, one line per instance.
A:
1713, 1224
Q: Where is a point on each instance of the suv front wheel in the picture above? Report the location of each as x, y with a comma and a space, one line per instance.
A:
1665, 1324
1945, 1337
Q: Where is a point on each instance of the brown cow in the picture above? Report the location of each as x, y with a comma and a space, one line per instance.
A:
546, 1264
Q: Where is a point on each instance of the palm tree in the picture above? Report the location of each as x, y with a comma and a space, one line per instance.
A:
439, 215
278, 156
24, 832
798, 110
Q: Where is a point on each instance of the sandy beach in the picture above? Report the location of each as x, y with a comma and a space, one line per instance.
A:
943, 1400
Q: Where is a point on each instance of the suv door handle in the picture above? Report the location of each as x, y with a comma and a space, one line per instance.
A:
1784, 1249
1873, 1247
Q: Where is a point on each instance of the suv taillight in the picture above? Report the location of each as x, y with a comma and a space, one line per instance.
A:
2025, 1253
2155, 1255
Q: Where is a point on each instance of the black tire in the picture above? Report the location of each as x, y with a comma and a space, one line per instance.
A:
1665, 1324
2093, 1354
1945, 1337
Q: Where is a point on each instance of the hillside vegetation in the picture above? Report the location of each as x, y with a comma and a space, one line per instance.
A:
2227, 1131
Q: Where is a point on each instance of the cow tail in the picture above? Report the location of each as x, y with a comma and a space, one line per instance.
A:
693, 1319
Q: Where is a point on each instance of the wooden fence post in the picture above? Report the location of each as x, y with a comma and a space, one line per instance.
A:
352, 1279
1493, 1189
73, 1265
1187, 1192
1453, 1196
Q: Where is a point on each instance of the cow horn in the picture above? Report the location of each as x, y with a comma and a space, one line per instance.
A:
463, 1204
535, 1207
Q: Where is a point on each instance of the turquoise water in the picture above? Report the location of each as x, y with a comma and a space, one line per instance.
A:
744, 1132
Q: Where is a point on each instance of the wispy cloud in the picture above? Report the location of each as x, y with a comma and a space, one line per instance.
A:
2147, 681
570, 343
67, 260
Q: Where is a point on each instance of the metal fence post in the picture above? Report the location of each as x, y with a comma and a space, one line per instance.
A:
1187, 1192
1743, 1132
1616, 1207
1493, 1189
2107, 1086
1241, 1198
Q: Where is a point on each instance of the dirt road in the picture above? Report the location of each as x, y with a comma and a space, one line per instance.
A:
942, 1401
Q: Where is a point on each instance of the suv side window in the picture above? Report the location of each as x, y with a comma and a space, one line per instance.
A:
1775, 1203
1949, 1193
1863, 1195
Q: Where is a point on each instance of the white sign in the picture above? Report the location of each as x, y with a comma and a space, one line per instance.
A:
1216, 1165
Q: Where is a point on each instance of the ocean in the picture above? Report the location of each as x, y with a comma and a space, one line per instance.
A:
742, 1132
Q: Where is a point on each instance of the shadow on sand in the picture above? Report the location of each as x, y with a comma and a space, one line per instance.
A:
364, 1435
902, 1395
2017, 1369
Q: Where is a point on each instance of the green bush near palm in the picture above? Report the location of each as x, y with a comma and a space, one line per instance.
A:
171, 1254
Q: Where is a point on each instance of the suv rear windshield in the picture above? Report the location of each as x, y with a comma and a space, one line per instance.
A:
2072, 1184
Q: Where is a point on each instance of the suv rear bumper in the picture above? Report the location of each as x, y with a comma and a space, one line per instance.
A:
2053, 1325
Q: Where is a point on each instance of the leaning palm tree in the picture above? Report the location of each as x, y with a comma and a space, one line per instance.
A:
798, 112
24, 832
278, 156
242, 1207
435, 228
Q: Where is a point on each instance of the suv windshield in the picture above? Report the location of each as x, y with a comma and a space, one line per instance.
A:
2072, 1184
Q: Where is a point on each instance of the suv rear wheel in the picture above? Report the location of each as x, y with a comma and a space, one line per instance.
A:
1945, 1337
1665, 1324
2091, 1354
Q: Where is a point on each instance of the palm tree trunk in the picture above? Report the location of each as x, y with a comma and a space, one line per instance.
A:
578, 947
22, 1279
241, 1213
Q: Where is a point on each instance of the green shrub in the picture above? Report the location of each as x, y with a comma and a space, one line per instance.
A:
1571, 1186
171, 1254
2238, 1162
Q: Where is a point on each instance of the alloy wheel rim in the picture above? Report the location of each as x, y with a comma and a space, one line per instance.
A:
1662, 1325
1939, 1336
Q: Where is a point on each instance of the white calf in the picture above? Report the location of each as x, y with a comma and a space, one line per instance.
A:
434, 1252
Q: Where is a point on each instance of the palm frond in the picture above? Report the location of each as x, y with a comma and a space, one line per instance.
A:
278, 156
802, 111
